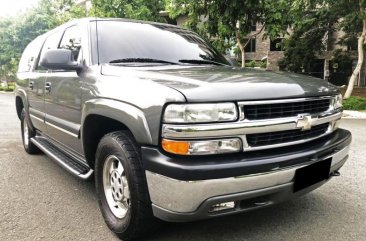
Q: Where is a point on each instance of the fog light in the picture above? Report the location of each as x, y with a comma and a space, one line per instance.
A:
202, 147
222, 206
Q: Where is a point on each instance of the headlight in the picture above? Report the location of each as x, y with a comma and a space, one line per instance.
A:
204, 147
337, 101
200, 113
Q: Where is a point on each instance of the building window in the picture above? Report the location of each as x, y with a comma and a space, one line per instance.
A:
277, 45
250, 46
351, 44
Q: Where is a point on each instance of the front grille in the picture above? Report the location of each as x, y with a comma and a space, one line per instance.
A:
280, 137
280, 110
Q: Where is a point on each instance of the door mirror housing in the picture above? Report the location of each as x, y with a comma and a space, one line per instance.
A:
59, 59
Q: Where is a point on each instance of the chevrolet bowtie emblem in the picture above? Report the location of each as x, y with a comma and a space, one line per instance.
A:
304, 122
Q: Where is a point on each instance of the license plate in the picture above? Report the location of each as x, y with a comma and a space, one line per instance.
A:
312, 174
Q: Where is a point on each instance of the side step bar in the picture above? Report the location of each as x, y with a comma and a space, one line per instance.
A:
66, 161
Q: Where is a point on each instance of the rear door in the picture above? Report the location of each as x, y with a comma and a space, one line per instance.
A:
63, 95
36, 90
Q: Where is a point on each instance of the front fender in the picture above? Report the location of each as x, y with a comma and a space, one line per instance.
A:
132, 117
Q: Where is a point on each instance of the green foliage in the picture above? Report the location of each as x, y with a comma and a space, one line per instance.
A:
253, 64
354, 103
224, 22
133, 9
9, 88
344, 61
263, 64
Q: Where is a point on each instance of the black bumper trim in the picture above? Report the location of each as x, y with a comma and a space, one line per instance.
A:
222, 166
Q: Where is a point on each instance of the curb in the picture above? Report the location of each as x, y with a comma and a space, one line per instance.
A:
352, 114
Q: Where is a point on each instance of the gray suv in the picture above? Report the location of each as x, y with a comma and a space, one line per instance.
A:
168, 128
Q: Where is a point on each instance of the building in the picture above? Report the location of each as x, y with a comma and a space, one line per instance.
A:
87, 4
260, 49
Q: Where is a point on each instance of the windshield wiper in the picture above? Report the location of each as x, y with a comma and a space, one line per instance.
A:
140, 60
199, 61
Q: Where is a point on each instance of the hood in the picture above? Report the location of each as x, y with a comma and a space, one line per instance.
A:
222, 83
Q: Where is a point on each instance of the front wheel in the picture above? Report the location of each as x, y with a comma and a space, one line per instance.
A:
121, 187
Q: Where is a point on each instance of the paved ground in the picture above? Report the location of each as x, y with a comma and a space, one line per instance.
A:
351, 114
40, 201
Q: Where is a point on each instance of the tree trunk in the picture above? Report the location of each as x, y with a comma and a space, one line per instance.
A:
242, 51
356, 71
242, 46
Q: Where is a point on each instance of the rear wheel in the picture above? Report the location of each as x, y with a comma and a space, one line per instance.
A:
27, 134
121, 187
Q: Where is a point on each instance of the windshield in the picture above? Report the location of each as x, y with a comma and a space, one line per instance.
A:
119, 41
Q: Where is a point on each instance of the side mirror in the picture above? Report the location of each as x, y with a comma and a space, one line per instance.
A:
59, 59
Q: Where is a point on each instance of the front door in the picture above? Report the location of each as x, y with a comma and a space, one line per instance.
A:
63, 97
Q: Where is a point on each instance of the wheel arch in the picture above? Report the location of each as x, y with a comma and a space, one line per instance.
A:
21, 102
102, 116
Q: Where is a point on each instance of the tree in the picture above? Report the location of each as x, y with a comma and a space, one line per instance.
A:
133, 9
313, 20
229, 23
358, 15
17, 32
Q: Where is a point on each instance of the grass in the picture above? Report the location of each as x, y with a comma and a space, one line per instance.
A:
253, 64
9, 88
355, 103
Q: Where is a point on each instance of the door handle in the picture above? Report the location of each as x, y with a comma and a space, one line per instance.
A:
31, 85
47, 87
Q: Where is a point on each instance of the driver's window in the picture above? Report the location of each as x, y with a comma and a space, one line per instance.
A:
72, 40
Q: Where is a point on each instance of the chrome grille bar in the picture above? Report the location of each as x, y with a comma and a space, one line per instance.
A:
240, 128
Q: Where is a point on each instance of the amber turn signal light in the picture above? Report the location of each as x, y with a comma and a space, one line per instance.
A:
175, 147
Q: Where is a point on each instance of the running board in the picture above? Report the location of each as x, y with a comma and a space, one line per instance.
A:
71, 164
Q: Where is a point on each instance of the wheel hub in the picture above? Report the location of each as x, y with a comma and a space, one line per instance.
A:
116, 187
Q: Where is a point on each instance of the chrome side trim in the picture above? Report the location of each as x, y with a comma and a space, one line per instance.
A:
240, 128
36, 118
187, 196
63, 130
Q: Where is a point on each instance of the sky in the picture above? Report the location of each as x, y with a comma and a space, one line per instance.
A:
12, 7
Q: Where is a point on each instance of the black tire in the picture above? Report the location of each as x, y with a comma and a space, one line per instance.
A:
29, 147
138, 220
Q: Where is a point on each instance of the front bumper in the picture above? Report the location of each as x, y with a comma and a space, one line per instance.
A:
185, 189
